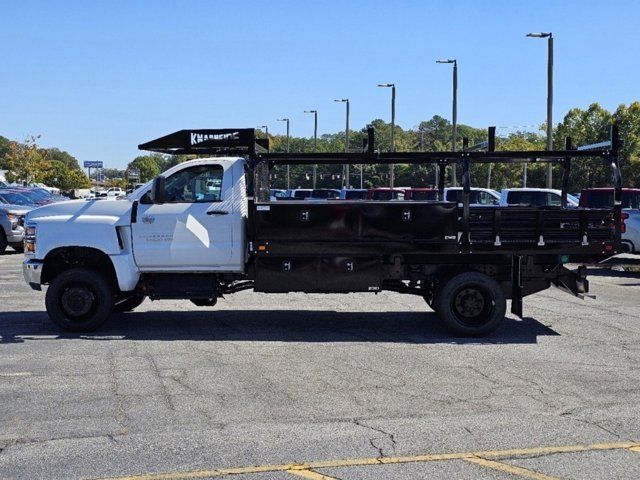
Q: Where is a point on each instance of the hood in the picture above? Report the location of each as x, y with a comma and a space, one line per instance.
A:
94, 210
16, 209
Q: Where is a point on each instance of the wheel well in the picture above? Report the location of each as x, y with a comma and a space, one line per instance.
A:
65, 258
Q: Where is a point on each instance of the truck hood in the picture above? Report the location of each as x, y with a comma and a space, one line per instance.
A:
15, 209
116, 212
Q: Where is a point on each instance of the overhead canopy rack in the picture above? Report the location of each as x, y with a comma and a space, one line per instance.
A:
208, 142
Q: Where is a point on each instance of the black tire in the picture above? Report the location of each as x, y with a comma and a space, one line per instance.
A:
18, 247
131, 303
3, 241
79, 300
471, 304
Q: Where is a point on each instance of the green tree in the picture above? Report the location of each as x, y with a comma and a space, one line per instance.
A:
69, 160
65, 178
25, 162
147, 165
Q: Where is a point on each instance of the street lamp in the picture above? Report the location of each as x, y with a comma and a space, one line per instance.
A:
454, 120
393, 127
315, 140
288, 166
549, 38
266, 133
346, 139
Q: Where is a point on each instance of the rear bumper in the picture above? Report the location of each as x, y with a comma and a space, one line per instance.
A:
32, 271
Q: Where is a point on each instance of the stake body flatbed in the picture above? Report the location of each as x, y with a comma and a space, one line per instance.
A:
466, 261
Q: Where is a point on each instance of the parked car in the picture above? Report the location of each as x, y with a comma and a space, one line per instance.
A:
12, 226
15, 197
421, 194
385, 194
298, 193
477, 196
353, 194
324, 194
603, 198
277, 194
535, 197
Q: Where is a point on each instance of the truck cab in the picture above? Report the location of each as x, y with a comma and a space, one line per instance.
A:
192, 219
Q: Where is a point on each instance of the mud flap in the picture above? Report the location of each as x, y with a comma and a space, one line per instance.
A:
573, 282
516, 285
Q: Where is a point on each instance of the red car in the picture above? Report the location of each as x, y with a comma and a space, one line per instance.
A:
386, 194
421, 194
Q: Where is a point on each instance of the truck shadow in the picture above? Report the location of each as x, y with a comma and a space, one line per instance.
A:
270, 326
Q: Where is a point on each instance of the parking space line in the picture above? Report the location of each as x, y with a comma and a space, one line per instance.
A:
16, 374
310, 474
635, 449
511, 469
485, 456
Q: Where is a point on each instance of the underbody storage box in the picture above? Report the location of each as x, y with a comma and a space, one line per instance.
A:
318, 274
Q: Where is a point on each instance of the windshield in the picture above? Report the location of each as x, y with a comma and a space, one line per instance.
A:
533, 198
15, 198
387, 195
355, 194
301, 194
476, 197
604, 199
325, 194
424, 195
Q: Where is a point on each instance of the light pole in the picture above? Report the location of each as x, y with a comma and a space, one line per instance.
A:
549, 38
346, 139
266, 132
393, 127
315, 140
288, 167
454, 115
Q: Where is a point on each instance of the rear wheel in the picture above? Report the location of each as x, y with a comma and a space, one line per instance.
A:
79, 300
471, 304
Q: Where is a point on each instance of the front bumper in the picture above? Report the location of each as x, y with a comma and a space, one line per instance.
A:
32, 271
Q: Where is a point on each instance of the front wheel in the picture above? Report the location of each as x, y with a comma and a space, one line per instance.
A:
471, 304
79, 300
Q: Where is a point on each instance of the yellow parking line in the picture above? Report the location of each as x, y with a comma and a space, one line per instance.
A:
635, 449
511, 469
356, 462
310, 474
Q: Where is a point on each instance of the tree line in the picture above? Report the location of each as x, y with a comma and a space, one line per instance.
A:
56, 168
25, 162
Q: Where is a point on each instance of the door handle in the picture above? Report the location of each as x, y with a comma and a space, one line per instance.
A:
217, 212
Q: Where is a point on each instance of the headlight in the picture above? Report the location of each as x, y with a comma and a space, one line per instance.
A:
30, 239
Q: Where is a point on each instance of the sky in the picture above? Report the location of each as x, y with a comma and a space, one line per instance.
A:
98, 78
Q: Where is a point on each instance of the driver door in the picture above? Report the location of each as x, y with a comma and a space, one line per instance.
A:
193, 228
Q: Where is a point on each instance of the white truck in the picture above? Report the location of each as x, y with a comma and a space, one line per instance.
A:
207, 228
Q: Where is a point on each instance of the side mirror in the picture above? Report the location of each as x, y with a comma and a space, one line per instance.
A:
156, 194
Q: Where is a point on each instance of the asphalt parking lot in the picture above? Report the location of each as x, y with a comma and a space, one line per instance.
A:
308, 386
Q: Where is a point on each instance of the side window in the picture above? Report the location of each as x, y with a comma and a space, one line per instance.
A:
486, 199
201, 184
554, 200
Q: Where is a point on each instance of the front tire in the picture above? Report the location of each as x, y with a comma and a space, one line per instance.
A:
471, 304
79, 300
